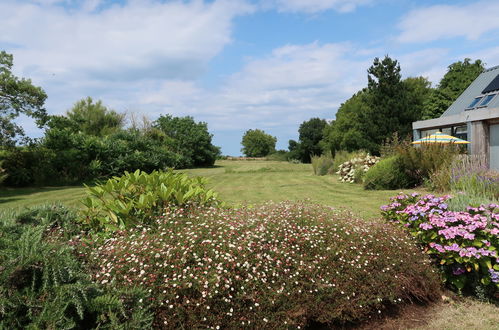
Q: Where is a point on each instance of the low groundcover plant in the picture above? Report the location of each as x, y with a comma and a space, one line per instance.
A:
463, 243
276, 265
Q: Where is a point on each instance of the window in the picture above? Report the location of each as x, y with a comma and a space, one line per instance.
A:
486, 100
474, 102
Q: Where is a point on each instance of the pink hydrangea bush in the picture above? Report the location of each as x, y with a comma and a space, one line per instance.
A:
273, 266
465, 244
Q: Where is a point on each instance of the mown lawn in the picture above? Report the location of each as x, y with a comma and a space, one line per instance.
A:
252, 182
239, 182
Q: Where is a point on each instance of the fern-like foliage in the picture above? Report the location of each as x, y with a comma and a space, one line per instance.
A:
44, 286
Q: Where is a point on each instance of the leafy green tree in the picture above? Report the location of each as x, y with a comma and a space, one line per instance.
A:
257, 143
93, 118
17, 96
346, 132
458, 77
388, 105
189, 138
310, 135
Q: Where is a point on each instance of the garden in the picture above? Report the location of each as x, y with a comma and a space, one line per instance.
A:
259, 244
146, 225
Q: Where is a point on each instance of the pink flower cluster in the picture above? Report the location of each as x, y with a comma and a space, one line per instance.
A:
460, 240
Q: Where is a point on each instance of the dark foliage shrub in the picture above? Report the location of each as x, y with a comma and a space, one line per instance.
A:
279, 156
462, 244
43, 286
387, 174
29, 166
273, 266
65, 157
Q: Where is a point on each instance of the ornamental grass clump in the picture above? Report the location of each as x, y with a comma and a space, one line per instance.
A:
463, 244
353, 170
272, 266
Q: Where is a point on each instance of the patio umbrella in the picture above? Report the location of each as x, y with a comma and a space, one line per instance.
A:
440, 137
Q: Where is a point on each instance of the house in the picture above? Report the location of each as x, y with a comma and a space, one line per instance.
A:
474, 117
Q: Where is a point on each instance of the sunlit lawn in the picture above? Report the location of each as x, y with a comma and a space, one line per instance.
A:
239, 182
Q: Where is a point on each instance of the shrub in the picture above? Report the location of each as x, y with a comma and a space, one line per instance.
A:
348, 169
43, 286
135, 198
3, 174
420, 162
272, 266
29, 166
464, 244
387, 174
323, 164
279, 156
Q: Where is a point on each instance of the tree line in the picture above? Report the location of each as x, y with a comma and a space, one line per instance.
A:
90, 141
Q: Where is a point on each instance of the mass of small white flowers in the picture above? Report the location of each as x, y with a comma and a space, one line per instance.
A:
262, 267
347, 169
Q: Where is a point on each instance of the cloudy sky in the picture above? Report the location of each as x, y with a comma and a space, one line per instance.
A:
235, 64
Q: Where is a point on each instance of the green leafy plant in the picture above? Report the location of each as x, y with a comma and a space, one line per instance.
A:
386, 174
135, 198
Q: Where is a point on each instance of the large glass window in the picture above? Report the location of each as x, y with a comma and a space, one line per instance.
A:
474, 102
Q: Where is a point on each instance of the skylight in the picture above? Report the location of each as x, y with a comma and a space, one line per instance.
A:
486, 100
474, 102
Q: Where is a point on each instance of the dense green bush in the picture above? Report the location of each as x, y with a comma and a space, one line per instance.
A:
279, 156
44, 286
387, 174
274, 266
135, 198
189, 139
26, 166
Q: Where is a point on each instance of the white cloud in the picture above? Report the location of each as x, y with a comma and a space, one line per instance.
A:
470, 21
292, 84
315, 6
73, 52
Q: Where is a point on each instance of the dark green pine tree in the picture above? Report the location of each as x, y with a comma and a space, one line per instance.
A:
388, 105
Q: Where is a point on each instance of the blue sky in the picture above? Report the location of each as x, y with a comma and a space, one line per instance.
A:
235, 64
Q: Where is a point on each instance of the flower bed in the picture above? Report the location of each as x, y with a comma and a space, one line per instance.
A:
277, 265
465, 244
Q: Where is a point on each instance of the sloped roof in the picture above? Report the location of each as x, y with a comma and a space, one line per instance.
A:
474, 89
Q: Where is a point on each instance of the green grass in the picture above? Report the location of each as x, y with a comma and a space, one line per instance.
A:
239, 182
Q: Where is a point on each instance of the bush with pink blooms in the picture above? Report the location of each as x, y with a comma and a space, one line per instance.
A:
464, 244
272, 266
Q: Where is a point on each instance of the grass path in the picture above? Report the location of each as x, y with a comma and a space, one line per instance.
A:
238, 182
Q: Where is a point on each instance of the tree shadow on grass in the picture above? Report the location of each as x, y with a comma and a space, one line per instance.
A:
16, 194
